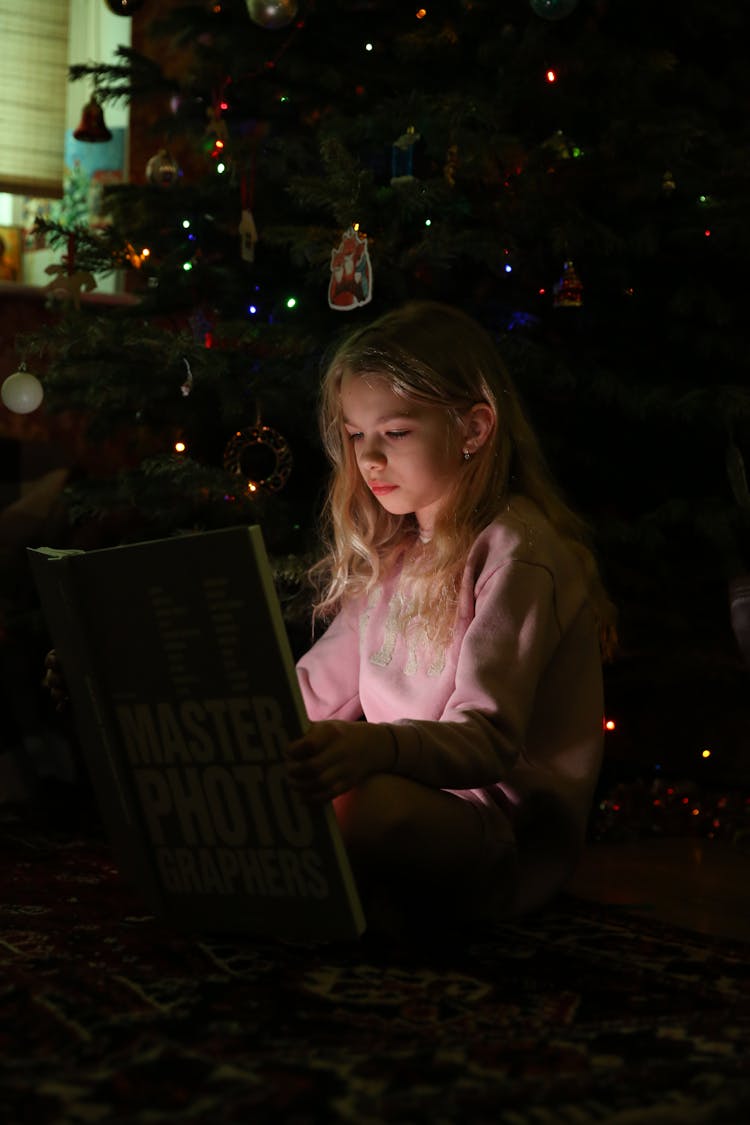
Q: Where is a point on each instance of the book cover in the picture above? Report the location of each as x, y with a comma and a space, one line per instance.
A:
184, 693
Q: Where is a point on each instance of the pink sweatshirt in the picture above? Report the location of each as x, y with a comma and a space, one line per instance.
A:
514, 706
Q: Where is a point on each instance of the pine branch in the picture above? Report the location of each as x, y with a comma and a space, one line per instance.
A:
136, 77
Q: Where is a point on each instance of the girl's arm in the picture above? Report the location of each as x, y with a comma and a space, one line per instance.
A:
505, 649
480, 734
328, 673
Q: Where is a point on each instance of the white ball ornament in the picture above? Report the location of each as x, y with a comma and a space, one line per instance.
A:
22, 392
272, 14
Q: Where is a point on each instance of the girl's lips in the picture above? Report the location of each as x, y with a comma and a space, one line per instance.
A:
382, 489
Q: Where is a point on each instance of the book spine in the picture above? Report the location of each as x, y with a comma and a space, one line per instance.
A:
282, 639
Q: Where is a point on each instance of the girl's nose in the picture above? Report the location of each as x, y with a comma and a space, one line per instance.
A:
371, 455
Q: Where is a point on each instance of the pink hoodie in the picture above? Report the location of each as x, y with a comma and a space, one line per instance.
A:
512, 709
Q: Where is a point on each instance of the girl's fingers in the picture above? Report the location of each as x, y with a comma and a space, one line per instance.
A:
314, 785
303, 750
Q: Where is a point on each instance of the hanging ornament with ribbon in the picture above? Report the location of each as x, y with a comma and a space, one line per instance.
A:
553, 9
22, 392
261, 456
248, 236
91, 127
187, 385
402, 156
272, 14
124, 7
67, 281
162, 170
350, 286
568, 291
247, 230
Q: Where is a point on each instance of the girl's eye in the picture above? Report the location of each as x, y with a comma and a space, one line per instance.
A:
354, 437
398, 433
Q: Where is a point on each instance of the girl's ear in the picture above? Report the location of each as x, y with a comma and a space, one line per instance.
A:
479, 422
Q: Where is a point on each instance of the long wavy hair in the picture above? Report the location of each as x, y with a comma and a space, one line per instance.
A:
434, 354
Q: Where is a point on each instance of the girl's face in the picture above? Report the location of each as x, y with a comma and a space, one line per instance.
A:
408, 453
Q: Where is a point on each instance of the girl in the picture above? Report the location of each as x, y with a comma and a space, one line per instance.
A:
465, 608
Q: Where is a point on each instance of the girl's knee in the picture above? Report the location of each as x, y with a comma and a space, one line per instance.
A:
374, 815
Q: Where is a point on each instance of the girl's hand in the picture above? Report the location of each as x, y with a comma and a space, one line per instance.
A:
54, 681
335, 756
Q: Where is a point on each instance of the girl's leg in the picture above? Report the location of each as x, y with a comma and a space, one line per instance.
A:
429, 847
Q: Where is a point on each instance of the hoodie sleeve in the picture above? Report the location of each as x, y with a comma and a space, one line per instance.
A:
505, 648
329, 672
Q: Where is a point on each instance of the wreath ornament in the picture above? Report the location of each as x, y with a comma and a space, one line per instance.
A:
242, 447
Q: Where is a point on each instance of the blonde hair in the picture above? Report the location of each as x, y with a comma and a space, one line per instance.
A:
434, 354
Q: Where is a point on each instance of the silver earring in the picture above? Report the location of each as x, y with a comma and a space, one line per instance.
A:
467, 455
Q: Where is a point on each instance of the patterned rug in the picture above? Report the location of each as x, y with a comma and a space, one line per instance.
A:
581, 1014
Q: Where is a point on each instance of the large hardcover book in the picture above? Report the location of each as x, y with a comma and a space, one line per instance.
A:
184, 695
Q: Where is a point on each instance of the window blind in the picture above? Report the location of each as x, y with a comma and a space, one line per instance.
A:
33, 93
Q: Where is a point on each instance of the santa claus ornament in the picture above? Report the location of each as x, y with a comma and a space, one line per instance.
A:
350, 286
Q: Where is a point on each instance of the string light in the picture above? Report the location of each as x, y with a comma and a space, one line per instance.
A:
291, 302
551, 76
609, 724
705, 753
180, 447
368, 46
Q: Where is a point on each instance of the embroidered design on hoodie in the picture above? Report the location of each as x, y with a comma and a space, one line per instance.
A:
416, 639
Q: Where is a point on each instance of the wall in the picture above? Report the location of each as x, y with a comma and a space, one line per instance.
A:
95, 33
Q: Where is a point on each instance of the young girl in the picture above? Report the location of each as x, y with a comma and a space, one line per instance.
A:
466, 611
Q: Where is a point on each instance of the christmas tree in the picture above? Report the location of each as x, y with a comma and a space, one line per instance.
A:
572, 172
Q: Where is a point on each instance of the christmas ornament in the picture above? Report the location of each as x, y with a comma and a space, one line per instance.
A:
131, 255
246, 443
402, 156
91, 127
162, 169
451, 165
568, 292
187, 386
217, 134
66, 286
351, 273
739, 613
124, 7
22, 392
553, 9
558, 145
248, 236
272, 14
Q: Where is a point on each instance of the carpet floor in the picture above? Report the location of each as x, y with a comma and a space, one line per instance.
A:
582, 1013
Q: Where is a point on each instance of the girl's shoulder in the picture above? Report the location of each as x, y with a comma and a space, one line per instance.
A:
522, 533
